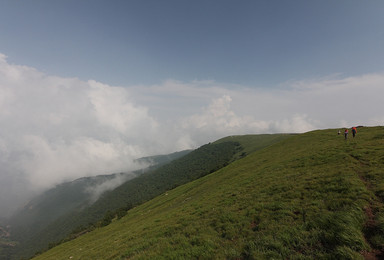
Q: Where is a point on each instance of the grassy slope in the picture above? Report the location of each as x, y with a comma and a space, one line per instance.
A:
310, 196
136, 191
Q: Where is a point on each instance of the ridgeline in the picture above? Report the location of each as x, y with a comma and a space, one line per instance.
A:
309, 196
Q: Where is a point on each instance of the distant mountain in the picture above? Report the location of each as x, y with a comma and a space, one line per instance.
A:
73, 196
64, 198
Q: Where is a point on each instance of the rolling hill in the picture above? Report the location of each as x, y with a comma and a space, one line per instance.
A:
310, 196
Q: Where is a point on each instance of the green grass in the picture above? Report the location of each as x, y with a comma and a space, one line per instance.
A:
311, 196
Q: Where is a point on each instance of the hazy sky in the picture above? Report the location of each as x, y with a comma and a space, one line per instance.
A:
88, 86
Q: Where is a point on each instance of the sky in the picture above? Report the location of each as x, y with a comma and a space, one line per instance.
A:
86, 87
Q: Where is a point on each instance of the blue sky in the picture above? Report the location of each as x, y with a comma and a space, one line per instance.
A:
88, 86
253, 43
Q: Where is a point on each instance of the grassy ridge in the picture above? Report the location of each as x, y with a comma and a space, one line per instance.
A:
307, 197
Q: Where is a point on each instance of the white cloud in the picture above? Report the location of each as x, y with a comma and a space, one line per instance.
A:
218, 119
55, 129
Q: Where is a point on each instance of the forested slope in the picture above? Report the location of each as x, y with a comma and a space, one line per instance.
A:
27, 224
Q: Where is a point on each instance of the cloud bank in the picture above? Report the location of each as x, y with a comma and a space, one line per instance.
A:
56, 129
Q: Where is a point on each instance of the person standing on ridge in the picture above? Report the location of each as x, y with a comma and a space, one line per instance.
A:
354, 131
346, 133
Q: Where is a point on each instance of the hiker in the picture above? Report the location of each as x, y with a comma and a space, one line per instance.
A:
346, 133
354, 131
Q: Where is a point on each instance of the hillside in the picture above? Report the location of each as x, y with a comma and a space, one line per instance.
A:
148, 185
69, 195
75, 196
311, 196
78, 194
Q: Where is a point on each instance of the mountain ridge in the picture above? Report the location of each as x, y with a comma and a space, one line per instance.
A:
305, 197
